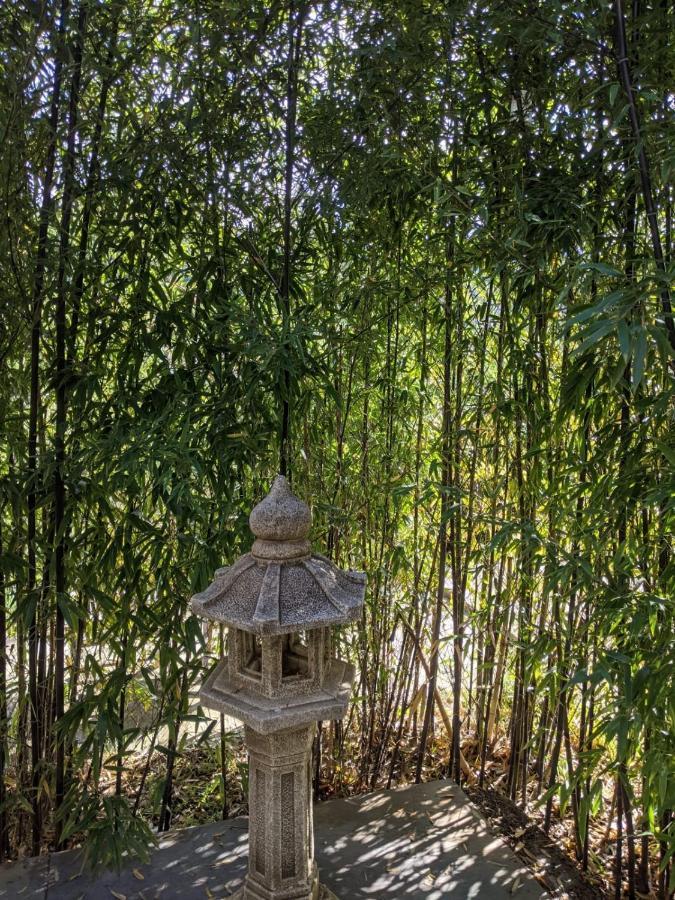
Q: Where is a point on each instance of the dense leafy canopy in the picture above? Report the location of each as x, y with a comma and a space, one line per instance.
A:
453, 274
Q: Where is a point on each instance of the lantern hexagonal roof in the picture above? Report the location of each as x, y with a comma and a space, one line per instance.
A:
281, 586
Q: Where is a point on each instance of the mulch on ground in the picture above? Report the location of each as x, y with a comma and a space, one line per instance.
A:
550, 865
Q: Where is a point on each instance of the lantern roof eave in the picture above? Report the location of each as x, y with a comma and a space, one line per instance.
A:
280, 586
282, 597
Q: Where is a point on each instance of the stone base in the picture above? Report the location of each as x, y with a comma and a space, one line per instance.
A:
324, 894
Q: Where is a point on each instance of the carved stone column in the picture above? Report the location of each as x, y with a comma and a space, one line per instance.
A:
281, 832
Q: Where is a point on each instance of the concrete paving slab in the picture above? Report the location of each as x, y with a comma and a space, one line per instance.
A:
202, 862
420, 841
25, 879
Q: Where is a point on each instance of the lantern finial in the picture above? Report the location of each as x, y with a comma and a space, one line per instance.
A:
281, 524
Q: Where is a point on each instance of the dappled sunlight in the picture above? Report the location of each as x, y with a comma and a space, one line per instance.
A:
415, 262
421, 841
414, 842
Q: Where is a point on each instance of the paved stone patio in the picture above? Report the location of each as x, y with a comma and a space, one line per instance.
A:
422, 841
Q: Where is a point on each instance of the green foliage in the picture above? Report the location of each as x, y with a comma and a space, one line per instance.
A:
467, 168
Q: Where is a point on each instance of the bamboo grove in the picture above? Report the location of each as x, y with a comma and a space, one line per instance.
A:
421, 252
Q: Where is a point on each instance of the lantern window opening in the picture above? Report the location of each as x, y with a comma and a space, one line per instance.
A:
295, 658
251, 655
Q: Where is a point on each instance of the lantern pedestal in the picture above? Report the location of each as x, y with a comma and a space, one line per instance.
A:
281, 822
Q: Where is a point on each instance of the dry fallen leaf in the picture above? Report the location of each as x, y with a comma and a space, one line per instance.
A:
137, 874
516, 884
117, 895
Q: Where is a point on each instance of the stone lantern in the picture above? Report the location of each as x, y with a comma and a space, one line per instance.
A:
280, 677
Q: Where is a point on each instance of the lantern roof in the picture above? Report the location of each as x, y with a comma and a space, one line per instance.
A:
281, 586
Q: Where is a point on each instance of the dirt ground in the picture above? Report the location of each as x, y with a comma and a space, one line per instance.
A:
551, 865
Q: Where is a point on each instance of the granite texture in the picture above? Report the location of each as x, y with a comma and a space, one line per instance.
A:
281, 516
267, 714
279, 678
323, 894
281, 862
281, 524
281, 586
280, 666
269, 597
